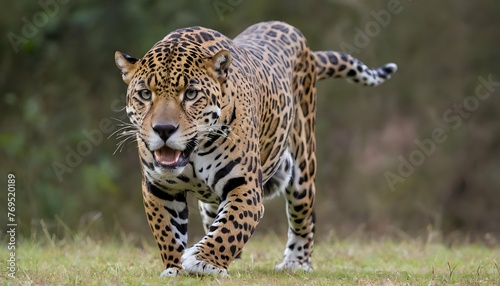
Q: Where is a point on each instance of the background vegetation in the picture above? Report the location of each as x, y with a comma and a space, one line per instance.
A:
58, 82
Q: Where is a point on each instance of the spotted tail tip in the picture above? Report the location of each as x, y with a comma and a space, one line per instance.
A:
387, 70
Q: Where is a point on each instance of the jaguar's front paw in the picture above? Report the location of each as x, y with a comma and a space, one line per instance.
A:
195, 265
171, 272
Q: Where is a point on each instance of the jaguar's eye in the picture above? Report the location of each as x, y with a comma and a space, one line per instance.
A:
190, 94
145, 94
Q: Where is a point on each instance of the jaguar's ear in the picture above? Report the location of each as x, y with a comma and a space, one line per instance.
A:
126, 64
219, 64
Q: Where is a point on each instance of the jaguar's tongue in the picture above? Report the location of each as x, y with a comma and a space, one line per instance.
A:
166, 156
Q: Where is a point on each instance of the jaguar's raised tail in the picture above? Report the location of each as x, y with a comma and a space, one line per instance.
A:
341, 65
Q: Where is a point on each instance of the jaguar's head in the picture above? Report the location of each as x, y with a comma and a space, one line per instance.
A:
173, 99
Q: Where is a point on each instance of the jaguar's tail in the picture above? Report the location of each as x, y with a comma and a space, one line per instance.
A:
337, 64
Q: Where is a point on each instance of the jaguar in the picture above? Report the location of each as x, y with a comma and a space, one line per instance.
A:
231, 122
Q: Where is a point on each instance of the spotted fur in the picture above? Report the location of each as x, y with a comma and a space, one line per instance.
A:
230, 121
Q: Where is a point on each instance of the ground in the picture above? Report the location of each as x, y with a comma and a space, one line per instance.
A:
83, 261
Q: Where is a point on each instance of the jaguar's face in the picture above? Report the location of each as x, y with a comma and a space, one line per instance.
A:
172, 99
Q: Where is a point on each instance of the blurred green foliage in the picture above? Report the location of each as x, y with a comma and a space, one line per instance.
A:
59, 79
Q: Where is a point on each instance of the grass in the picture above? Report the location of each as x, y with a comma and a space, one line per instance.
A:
83, 261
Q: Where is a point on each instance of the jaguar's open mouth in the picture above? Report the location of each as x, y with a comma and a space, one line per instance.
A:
169, 158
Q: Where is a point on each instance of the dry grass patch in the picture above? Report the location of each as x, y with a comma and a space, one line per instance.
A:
83, 261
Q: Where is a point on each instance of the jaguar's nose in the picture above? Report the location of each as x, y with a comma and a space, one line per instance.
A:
164, 131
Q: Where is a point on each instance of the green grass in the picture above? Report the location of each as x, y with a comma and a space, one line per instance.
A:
83, 261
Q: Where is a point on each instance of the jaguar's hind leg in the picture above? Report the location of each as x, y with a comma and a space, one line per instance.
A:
301, 191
